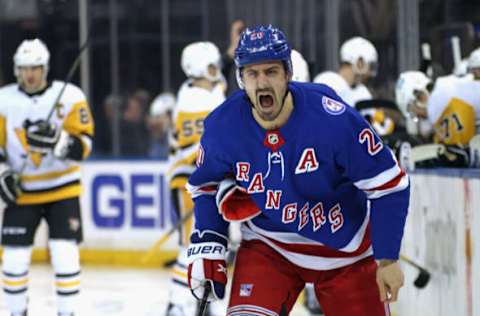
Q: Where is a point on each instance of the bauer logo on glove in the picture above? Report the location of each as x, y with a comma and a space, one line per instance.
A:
207, 264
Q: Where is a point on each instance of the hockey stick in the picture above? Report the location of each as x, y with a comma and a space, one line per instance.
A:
427, 151
456, 53
69, 76
423, 277
204, 302
154, 249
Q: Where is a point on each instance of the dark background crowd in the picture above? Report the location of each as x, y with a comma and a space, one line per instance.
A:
150, 35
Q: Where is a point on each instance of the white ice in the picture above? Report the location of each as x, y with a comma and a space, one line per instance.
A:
107, 291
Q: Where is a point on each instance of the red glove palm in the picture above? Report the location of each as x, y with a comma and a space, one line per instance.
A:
202, 271
234, 203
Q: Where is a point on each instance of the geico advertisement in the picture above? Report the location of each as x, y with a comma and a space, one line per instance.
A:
126, 204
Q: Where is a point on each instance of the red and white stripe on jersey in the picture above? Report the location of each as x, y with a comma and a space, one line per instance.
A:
240, 310
389, 181
310, 254
209, 188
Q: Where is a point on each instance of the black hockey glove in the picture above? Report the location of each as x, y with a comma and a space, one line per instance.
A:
455, 157
9, 187
42, 136
68, 147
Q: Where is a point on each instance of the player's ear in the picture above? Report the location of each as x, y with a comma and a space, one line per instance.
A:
289, 76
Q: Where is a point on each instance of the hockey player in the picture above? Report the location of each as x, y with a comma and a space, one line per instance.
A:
454, 110
412, 91
160, 125
320, 198
197, 97
358, 63
300, 67
40, 175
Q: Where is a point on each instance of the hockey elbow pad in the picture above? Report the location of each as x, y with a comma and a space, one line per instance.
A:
234, 203
207, 264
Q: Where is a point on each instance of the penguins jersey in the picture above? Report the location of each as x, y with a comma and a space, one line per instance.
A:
454, 110
326, 187
193, 105
350, 95
44, 178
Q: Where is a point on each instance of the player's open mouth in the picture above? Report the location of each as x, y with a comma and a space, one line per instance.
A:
265, 101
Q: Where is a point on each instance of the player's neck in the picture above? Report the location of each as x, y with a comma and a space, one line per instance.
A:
203, 83
282, 117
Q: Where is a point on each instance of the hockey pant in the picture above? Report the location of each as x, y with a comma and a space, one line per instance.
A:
265, 283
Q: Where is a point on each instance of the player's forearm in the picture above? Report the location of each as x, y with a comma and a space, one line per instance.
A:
387, 218
73, 147
207, 216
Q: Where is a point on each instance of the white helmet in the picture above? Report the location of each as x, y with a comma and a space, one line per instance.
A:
163, 103
358, 48
196, 57
474, 59
300, 67
31, 53
408, 84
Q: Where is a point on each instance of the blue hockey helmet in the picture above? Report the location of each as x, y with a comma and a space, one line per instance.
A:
261, 44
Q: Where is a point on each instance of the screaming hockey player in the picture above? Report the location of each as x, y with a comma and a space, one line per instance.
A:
320, 198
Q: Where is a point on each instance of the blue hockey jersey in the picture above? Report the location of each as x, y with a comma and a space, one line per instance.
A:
330, 193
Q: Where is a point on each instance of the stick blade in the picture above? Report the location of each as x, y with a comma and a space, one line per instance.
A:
422, 279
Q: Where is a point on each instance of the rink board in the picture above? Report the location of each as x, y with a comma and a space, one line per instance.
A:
126, 208
443, 235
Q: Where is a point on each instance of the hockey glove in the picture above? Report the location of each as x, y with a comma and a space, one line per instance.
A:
455, 157
474, 146
234, 203
68, 147
42, 136
206, 256
9, 187
403, 152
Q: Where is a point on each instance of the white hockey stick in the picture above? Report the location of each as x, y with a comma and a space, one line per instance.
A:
425, 152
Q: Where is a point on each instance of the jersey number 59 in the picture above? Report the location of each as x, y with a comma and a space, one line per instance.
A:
192, 127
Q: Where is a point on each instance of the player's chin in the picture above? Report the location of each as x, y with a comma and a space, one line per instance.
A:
267, 114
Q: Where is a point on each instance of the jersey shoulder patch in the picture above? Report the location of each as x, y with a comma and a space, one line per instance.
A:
332, 106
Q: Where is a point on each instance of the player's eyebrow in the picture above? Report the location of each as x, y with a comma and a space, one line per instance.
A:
273, 67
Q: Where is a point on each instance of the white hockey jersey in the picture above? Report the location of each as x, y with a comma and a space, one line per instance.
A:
44, 178
193, 106
350, 95
454, 110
